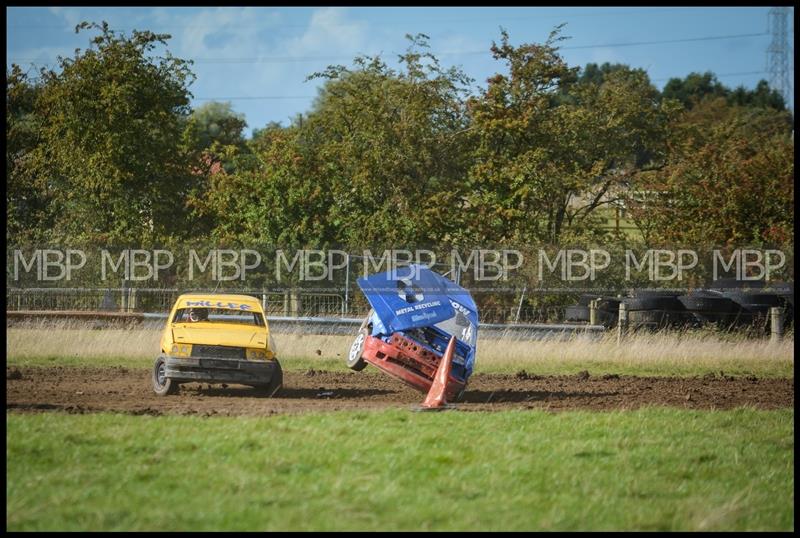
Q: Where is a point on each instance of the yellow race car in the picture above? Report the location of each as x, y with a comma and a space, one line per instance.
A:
217, 338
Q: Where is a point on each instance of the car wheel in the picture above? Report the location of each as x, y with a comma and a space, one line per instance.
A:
162, 385
275, 384
354, 360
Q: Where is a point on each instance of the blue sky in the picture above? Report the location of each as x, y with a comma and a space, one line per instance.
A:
291, 43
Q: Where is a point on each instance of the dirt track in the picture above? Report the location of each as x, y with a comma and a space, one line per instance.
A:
89, 390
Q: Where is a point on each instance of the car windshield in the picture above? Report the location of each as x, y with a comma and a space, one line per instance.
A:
460, 327
218, 315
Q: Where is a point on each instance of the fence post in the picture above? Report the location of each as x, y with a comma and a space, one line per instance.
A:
286, 303
296, 306
622, 323
346, 306
123, 306
521, 298
593, 312
131, 299
264, 301
776, 317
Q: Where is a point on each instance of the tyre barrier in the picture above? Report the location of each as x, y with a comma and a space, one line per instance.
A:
656, 309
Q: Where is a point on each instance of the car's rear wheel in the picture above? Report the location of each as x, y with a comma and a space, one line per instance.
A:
354, 359
162, 385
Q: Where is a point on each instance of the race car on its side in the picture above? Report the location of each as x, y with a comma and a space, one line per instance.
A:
415, 311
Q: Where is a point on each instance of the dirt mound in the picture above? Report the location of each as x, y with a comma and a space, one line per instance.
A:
90, 390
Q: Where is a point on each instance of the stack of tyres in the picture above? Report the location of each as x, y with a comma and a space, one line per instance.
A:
788, 306
656, 310
711, 307
754, 307
608, 308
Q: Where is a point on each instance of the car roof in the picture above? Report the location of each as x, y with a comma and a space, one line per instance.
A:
219, 300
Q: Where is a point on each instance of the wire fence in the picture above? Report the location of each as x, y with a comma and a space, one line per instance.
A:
157, 300
300, 304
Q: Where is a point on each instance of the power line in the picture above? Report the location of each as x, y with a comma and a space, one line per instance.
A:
265, 97
288, 59
612, 12
687, 40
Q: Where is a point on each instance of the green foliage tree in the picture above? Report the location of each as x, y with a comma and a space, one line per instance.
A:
29, 213
216, 122
728, 179
278, 201
551, 149
696, 87
214, 133
379, 160
111, 140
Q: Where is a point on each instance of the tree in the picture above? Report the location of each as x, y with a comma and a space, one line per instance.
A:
277, 202
395, 147
596, 74
216, 122
110, 140
728, 179
763, 97
551, 149
29, 214
696, 87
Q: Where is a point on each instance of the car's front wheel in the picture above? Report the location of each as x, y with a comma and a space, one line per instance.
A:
354, 360
275, 383
162, 385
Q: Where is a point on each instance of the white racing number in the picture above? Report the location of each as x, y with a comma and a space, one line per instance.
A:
466, 333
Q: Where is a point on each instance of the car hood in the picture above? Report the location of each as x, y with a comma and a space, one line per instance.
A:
414, 296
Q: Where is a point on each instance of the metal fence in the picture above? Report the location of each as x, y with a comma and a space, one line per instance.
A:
306, 304
161, 300
283, 303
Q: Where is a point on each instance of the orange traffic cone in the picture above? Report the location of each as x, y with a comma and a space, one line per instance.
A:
436, 396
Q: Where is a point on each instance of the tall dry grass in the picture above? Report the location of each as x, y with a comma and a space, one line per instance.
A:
657, 353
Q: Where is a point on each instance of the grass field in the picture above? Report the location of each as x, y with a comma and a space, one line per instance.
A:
649, 469
690, 353
652, 469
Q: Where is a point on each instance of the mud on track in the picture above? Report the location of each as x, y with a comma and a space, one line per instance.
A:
124, 390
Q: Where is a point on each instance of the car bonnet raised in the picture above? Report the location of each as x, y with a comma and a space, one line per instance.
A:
414, 296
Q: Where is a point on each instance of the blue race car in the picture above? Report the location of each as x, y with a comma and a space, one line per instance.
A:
415, 311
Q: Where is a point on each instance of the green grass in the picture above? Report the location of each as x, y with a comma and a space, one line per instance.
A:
651, 469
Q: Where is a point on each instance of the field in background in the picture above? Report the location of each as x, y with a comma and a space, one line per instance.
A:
651, 469
666, 353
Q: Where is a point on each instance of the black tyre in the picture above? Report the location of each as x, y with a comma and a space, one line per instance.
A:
655, 293
275, 383
734, 284
754, 301
585, 299
722, 305
664, 303
576, 313
609, 304
658, 319
162, 385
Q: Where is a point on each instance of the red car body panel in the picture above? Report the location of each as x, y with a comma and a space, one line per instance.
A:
408, 361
